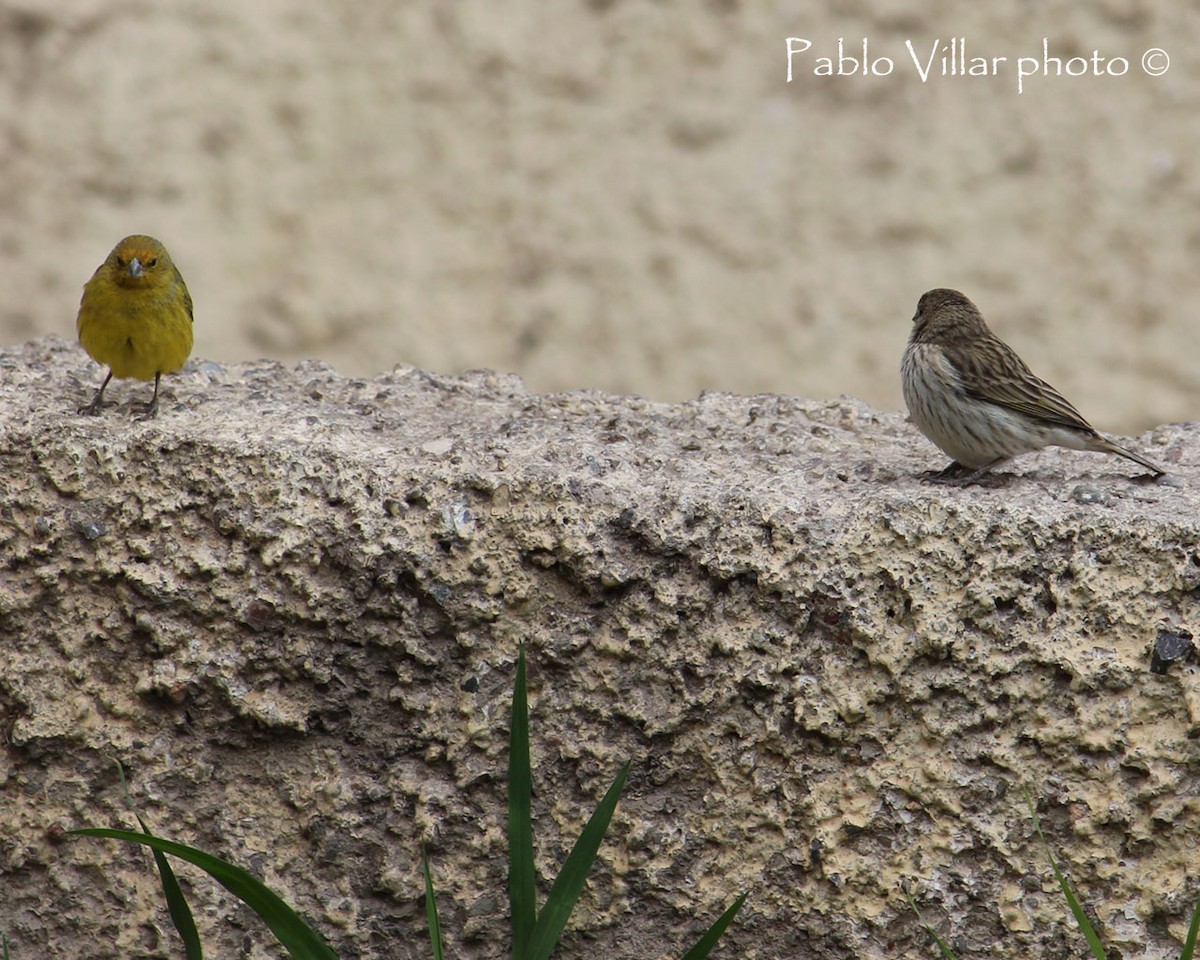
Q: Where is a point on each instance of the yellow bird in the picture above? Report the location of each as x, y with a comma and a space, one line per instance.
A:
136, 316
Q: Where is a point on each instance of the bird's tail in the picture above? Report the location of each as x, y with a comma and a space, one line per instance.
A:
1107, 446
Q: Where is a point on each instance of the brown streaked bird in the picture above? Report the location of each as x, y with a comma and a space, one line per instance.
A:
969, 392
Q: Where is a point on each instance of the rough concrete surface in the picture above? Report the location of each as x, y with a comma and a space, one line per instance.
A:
291, 607
618, 194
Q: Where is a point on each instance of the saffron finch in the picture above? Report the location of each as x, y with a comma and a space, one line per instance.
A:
136, 316
971, 394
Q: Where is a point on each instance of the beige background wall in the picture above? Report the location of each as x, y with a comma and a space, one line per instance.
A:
617, 193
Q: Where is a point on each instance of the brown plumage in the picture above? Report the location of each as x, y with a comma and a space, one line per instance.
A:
969, 392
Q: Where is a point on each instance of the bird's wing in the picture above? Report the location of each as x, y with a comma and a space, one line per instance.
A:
1011, 384
187, 297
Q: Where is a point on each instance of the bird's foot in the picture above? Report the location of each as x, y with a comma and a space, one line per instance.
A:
148, 411
956, 475
93, 409
952, 475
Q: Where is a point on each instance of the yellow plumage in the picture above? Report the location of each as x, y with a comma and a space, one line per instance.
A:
136, 316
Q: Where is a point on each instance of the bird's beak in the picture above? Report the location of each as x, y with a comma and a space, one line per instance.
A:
135, 268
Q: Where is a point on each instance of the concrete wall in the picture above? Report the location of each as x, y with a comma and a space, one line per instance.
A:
291, 607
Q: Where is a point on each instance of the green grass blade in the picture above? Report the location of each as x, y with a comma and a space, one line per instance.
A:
1081, 918
1189, 946
177, 907
4, 943
522, 883
299, 940
947, 953
569, 882
1085, 925
431, 914
705, 944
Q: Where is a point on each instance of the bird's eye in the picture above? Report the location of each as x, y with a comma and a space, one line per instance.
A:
152, 262
120, 261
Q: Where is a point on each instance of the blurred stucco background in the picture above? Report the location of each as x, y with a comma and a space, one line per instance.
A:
623, 194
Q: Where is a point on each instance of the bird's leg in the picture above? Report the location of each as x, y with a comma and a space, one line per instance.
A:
976, 475
946, 475
150, 411
93, 408
956, 475
953, 471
